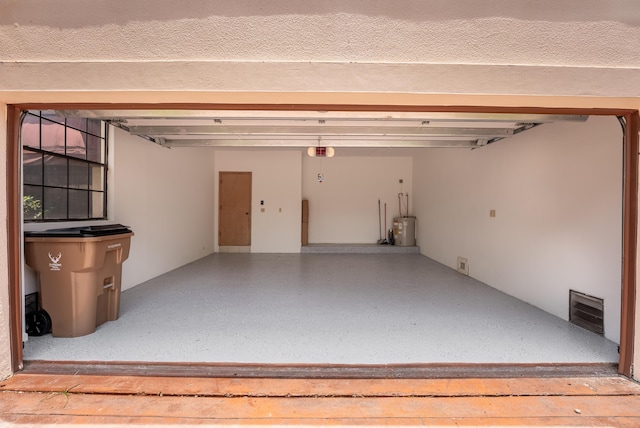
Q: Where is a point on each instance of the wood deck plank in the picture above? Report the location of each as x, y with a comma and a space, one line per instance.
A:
320, 387
259, 408
146, 422
41, 400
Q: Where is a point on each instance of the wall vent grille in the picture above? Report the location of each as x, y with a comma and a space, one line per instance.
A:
463, 266
586, 311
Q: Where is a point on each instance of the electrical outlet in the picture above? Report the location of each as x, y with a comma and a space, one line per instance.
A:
492, 213
401, 181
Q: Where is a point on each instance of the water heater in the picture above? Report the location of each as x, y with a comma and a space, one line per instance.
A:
404, 231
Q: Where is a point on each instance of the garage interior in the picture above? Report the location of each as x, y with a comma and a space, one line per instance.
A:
532, 204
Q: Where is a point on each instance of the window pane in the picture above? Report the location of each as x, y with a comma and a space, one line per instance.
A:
79, 123
97, 205
50, 115
78, 204
32, 167
97, 177
55, 204
52, 137
32, 203
75, 144
30, 131
32, 117
60, 184
94, 127
78, 174
55, 171
95, 148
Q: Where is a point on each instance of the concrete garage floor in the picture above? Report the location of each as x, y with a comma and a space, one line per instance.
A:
325, 308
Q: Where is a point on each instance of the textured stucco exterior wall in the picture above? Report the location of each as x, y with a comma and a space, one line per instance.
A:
586, 33
444, 47
5, 339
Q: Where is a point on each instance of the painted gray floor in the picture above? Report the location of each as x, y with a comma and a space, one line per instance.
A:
325, 308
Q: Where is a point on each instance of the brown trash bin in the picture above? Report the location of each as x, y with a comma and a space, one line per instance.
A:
79, 275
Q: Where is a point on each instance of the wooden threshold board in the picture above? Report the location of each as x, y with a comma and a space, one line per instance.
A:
84, 400
330, 371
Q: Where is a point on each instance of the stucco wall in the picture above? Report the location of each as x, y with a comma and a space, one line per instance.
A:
585, 33
454, 47
5, 347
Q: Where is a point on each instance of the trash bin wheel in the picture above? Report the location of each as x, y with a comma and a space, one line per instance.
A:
38, 323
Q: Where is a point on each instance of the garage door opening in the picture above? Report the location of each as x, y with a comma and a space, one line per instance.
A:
361, 300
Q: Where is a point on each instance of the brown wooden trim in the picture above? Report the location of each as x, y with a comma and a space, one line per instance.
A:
328, 107
319, 371
629, 245
13, 236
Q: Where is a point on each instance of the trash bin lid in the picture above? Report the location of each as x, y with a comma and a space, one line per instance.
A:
83, 231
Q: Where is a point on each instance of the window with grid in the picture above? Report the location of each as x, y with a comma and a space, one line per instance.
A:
64, 163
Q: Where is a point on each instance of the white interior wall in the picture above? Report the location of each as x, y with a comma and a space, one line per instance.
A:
557, 194
276, 181
344, 207
166, 197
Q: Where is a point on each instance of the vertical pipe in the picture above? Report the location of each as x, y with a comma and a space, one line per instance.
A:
379, 223
385, 234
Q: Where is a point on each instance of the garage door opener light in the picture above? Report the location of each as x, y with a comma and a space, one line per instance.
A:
321, 151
